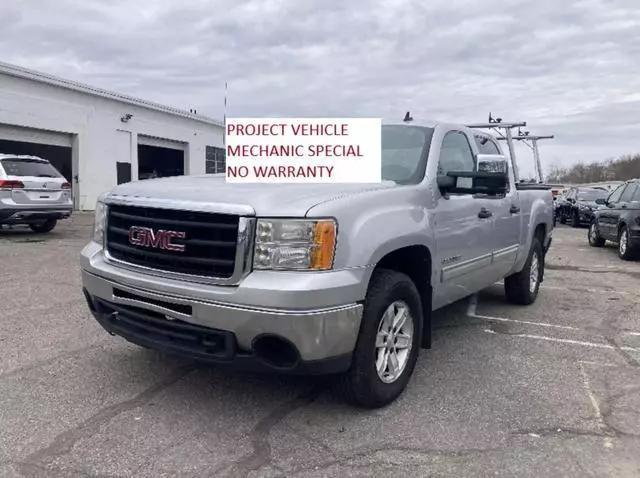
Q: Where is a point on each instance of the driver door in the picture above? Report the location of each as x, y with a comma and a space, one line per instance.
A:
463, 228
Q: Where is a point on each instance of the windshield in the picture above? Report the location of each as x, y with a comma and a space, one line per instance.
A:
29, 167
403, 160
592, 194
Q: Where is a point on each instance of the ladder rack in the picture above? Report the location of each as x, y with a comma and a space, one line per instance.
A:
508, 137
498, 125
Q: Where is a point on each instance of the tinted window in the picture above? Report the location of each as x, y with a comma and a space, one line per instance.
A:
592, 194
29, 167
629, 193
486, 145
615, 195
636, 196
455, 154
403, 160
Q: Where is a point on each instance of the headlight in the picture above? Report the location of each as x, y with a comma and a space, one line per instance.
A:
98, 222
298, 244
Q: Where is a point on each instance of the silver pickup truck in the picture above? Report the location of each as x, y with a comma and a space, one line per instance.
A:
318, 279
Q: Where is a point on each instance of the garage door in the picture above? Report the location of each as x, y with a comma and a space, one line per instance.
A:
32, 135
161, 142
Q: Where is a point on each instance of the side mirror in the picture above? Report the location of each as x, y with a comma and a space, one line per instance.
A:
492, 163
473, 182
601, 201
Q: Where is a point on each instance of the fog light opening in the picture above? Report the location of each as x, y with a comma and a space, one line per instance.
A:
276, 351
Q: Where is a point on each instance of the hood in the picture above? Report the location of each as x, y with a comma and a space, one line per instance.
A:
293, 200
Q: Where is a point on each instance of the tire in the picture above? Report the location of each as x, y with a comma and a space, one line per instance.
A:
518, 287
575, 221
562, 218
44, 227
595, 239
363, 385
626, 249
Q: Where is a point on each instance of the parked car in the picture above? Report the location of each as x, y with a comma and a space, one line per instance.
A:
619, 220
32, 192
578, 204
317, 279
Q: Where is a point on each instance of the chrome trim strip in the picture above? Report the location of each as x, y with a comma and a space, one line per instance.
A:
238, 307
461, 268
243, 258
194, 206
149, 306
505, 251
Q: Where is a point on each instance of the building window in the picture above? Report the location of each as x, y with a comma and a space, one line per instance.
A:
216, 161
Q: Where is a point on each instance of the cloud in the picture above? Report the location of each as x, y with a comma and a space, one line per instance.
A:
568, 70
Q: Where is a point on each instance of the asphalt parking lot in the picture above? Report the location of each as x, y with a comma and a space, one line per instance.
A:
552, 389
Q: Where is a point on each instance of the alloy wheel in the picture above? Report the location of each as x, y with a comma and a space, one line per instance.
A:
534, 272
394, 341
624, 242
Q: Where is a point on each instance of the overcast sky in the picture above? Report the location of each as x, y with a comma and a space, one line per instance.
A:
569, 68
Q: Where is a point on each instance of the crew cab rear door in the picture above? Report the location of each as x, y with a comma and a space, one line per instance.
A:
463, 227
507, 217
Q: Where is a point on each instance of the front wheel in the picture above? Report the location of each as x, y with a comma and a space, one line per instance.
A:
595, 240
43, 227
388, 344
626, 249
522, 287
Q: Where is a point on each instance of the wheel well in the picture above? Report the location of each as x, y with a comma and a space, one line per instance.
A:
414, 261
620, 226
540, 233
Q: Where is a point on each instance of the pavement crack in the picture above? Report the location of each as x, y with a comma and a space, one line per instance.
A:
557, 267
65, 441
346, 459
261, 453
626, 356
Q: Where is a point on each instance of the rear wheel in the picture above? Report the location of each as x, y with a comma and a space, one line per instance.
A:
626, 249
43, 227
595, 240
388, 343
522, 287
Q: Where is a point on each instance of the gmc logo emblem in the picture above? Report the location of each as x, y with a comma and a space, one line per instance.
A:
160, 239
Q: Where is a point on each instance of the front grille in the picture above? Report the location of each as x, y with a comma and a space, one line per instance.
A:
153, 329
210, 240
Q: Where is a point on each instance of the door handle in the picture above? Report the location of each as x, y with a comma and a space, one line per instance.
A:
514, 209
484, 213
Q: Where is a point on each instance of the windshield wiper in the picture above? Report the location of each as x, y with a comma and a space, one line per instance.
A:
46, 176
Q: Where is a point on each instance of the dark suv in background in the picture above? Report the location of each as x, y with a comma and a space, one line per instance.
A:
578, 204
619, 220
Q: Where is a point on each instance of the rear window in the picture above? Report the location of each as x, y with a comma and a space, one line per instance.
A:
486, 145
29, 167
592, 194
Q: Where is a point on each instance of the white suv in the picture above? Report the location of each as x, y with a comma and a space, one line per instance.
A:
32, 192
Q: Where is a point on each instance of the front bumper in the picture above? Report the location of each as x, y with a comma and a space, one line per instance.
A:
317, 314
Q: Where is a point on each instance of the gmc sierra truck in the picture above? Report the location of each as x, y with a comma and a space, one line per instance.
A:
318, 279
